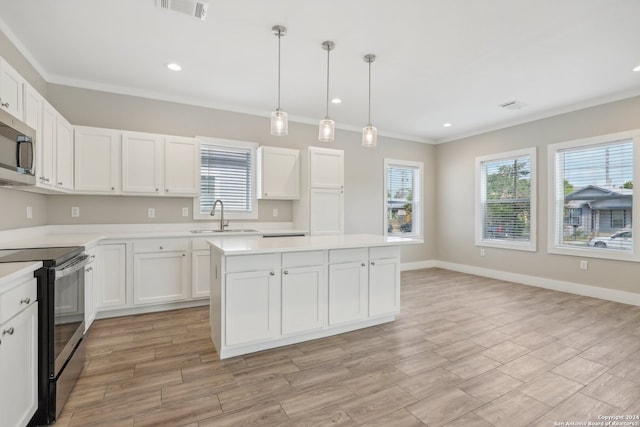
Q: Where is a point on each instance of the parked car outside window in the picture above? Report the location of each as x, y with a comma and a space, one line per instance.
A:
620, 240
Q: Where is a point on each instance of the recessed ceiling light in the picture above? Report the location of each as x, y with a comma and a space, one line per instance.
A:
173, 66
336, 101
447, 125
637, 69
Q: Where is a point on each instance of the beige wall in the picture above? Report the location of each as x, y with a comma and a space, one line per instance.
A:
455, 196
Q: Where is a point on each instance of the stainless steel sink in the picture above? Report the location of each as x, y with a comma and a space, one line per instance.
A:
228, 230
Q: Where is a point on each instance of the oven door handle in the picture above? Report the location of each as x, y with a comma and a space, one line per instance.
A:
72, 266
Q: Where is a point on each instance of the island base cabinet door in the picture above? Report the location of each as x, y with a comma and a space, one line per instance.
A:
18, 368
252, 301
160, 277
201, 274
303, 291
384, 291
347, 292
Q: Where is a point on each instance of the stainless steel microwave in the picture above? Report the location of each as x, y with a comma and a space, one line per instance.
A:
17, 162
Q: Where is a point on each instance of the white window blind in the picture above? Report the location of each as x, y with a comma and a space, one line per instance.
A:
506, 187
595, 181
403, 211
226, 174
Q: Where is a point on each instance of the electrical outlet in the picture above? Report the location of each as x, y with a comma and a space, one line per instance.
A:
75, 211
584, 265
275, 213
185, 211
29, 212
481, 251
151, 213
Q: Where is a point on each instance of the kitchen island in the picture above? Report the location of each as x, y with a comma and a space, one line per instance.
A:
270, 292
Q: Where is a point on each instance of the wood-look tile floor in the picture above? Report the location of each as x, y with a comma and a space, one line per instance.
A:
465, 351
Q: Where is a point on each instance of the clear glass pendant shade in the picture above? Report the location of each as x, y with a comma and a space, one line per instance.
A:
369, 136
279, 123
327, 130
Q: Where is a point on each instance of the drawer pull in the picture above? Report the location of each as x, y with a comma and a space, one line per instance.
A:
373, 263
286, 272
5, 104
26, 300
363, 264
8, 331
161, 248
272, 274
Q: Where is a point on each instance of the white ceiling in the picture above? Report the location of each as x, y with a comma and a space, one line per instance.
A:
438, 61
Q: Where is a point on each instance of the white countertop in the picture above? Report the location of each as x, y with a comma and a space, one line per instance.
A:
52, 240
240, 246
14, 270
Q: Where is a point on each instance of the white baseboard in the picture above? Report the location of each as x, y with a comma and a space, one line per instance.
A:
541, 282
418, 265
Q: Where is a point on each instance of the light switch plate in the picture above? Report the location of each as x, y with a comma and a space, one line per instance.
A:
29, 212
185, 211
151, 213
75, 211
275, 213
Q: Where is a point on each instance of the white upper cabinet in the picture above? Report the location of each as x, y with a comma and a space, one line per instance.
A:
64, 153
11, 90
278, 173
326, 168
158, 165
142, 163
181, 166
47, 144
97, 160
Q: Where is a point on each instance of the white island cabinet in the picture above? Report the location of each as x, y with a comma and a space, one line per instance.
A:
267, 293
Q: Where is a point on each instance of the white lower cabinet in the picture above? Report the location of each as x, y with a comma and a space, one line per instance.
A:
303, 299
161, 271
111, 280
200, 274
18, 353
384, 294
90, 274
252, 301
347, 292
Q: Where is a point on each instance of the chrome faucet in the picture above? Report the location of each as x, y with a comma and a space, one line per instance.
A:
213, 213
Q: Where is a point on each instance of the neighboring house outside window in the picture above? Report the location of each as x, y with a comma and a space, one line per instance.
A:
403, 213
227, 172
506, 200
591, 203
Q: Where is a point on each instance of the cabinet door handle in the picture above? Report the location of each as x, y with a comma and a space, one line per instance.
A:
161, 248
286, 272
363, 264
8, 331
272, 274
156, 189
60, 183
113, 188
184, 254
5, 105
167, 190
93, 257
373, 263
26, 300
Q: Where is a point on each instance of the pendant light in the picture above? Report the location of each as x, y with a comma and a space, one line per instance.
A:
279, 119
327, 128
369, 132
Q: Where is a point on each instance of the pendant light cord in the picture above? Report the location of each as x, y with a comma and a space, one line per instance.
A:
279, 34
369, 92
328, 52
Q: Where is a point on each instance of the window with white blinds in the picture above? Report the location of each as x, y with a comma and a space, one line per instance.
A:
403, 197
593, 195
505, 210
227, 173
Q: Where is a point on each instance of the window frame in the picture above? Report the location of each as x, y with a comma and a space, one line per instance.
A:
531, 245
418, 196
229, 143
553, 230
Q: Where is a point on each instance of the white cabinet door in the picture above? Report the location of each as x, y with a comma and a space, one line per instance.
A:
252, 304
182, 166
46, 140
303, 299
33, 108
11, 90
90, 274
64, 153
18, 367
326, 211
97, 160
160, 277
384, 286
278, 173
326, 168
141, 163
200, 274
111, 283
347, 292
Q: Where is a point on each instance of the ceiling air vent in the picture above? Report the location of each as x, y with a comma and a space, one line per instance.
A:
197, 9
513, 105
